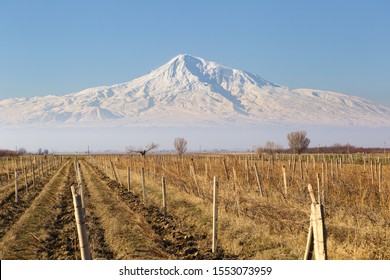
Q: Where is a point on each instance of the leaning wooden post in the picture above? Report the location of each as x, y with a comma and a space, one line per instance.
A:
316, 238
16, 185
215, 215
143, 185
226, 172
117, 175
128, 179
258, 180
309, 243
81, 228
284, 179
164, 196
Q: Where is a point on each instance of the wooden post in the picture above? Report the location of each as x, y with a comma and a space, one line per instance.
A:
309, 244
41, 167
113, 171
128, 179
234, 179
164, 196
380, 177
192, 171
25, 178
323, 176
311, 193
117, 175
81, 185
318, 232
318, 188
294, 169
16, 185
258, 180
215, 215
81, 228
33, 174
226, 171
316, 240
247, 173
300, 168
314, 162
143, 185
284, 179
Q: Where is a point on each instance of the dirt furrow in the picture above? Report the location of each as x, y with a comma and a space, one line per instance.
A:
10, 211
126, 232
96, 233
182, 243
61, 240
25, 239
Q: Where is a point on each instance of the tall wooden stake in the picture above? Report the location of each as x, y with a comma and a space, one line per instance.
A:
16, 185
258, 180
143, 185
316, 241
33, 174
164, 196
128, 179
81, 228
215, 215
25, 178
380, 177
284, 179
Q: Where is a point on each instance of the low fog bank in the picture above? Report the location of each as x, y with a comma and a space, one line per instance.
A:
63, 140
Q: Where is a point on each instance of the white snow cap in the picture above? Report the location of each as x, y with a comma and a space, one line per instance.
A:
190, 91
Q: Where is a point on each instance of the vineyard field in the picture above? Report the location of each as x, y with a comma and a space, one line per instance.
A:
264, 206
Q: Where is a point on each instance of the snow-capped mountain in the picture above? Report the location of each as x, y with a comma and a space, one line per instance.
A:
190, 91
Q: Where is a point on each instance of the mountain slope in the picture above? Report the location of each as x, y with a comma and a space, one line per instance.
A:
189, 91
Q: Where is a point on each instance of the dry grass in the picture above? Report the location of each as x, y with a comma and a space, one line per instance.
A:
273, 226
126, 232
25, 238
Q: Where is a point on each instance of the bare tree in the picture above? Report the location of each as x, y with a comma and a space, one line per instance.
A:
180, 145
22, 151
142, 151
298, 141
270, 148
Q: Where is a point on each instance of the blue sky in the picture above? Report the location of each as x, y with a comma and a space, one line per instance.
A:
58, 47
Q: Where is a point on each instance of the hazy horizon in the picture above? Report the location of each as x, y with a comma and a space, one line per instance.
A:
62, 140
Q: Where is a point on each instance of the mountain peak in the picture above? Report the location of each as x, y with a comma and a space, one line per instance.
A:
189, 90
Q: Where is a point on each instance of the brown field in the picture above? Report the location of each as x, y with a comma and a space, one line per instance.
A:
268, 224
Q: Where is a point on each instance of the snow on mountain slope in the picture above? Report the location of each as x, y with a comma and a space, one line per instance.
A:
189, 91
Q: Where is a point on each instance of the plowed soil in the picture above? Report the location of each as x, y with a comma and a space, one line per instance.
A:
119, 226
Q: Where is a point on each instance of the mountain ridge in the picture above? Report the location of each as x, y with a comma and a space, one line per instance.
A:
189, 90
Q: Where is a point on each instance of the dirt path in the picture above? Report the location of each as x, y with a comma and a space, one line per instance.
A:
178, 242
10, 211
126, 232
25, 239
62, 241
